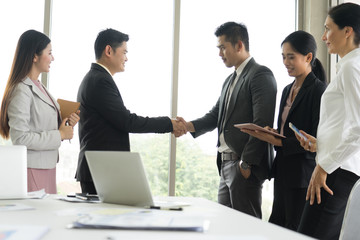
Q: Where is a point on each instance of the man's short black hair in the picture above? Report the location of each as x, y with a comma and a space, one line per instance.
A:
234, 32
110, 37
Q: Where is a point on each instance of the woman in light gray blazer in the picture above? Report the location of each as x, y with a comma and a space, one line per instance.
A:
30, 116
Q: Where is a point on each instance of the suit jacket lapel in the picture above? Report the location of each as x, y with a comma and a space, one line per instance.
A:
307, 82
40, 94
110, 79
237, 87
53, 99
222, 100
297, 100
235, 92
283, 103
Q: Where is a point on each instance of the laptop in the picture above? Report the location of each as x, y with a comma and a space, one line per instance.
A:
13, 172
119, 177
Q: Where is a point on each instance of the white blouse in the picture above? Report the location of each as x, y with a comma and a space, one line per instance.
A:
338, 136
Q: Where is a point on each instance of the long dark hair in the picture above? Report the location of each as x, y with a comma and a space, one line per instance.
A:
30, 43
304, 43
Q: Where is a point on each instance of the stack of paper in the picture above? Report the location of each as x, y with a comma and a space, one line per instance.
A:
37, 194
14, 207
144, 220
20, 232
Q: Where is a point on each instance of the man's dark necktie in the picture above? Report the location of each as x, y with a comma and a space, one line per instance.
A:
226, 100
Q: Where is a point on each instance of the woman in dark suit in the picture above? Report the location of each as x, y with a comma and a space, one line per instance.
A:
300, 105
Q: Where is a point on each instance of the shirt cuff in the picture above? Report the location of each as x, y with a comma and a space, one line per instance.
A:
328, 164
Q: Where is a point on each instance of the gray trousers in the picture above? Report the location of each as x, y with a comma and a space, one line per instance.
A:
237, 192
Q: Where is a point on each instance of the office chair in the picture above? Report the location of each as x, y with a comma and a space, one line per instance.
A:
350, 228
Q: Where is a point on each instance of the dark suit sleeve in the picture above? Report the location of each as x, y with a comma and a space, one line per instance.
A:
319, 90
108, 103
263, 96
206, 123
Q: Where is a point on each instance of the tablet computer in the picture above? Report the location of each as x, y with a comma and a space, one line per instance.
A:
252, 126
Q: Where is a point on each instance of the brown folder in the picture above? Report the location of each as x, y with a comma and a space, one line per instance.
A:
67, 107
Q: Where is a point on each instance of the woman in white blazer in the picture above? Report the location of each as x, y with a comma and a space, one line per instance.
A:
30, 116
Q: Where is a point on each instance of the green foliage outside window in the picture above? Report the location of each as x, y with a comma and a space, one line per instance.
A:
196, 172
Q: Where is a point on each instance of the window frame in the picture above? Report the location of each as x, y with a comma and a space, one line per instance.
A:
175, 69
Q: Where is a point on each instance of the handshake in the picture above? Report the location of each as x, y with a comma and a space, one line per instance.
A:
181, 127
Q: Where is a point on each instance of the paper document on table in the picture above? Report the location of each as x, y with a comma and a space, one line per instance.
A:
67, 107
14, 207
77, 200
20, 232
37, 194
170, 203
121, 235
145, 220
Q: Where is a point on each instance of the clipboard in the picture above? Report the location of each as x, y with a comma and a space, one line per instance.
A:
253, 126
67, 107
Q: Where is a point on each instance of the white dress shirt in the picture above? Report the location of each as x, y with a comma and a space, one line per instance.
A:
223, 147
104, 68
338, 136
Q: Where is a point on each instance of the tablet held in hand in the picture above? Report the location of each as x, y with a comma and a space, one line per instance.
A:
252, 126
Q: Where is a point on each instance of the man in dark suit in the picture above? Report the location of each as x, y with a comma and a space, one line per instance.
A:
248, 96
105, 121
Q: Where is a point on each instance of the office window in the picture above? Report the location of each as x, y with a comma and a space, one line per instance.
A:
145, 84
202, 73
16, 17
353, 1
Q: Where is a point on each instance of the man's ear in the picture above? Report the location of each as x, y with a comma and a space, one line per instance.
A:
239, 45
107, 51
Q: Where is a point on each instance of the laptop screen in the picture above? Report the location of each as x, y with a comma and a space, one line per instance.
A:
13, 172
119, 177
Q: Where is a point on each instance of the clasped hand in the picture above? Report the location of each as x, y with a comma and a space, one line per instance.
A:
66, 128
319, 175
181, 127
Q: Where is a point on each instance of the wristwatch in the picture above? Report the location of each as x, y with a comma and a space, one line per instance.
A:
244, 165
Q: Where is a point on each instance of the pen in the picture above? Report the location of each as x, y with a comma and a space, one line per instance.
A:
81, 197
167, 208
67, 124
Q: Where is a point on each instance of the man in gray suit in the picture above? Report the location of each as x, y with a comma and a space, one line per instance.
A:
248, 96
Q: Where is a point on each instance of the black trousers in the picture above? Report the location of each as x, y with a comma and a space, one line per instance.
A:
88, 187
324, 220
288, 206
237, 192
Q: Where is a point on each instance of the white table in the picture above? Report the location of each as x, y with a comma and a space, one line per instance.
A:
225, 223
